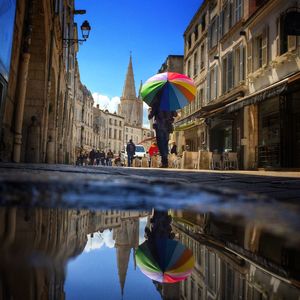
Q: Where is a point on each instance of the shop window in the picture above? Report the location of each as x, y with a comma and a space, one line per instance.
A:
269, 133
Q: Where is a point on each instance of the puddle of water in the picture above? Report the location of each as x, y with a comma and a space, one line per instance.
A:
54, 253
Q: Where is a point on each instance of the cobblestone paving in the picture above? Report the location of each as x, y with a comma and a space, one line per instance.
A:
106, 181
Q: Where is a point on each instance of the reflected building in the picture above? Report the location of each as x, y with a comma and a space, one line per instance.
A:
36, 244
235, 261
35, 247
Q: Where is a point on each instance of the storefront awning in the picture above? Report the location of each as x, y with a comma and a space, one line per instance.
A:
269, 92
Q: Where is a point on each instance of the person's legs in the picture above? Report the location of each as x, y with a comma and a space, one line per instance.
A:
162, 137
129, 160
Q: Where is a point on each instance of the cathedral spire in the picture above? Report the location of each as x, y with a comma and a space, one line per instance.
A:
129, 86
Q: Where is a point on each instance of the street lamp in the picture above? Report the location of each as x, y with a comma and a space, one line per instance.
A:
85, 32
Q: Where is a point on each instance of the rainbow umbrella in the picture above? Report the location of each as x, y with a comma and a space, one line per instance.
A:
165, 260
171, 90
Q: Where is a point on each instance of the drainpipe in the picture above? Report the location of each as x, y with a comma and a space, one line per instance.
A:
22, 83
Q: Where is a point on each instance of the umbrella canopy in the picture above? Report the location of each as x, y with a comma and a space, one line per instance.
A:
165, 260
171, 90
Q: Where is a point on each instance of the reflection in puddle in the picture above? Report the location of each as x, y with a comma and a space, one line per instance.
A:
83, 254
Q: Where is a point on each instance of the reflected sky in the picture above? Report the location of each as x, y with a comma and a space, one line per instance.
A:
94, 275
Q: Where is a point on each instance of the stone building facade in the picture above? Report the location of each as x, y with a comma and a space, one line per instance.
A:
246, 70
240, 268
173, 63
108, 130
38, 82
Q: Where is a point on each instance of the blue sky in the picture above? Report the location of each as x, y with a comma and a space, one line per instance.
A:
152, 30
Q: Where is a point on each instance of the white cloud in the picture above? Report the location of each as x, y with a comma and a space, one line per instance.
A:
99, 240
111, 104
146, 123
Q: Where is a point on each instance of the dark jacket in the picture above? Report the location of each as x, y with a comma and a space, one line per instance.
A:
130, 148
163, 120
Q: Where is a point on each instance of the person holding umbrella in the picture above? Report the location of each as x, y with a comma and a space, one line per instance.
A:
166, 93
163, 125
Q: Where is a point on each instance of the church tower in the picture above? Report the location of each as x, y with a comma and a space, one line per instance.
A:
131, 107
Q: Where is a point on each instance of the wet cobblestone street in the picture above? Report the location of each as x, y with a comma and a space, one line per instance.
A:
82, 225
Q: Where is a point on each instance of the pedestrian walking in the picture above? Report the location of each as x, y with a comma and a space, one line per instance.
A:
102, 158
153, 150
109, 157
130, 149
97, 156
174, 149
92, 157
163, 125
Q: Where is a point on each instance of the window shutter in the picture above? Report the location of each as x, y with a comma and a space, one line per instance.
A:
277, 39
242, 69
265, 38
224, 75
249, 56
216, 81
217, 29
242, 8
221, 25
209, 37
208, 86
292, 42
231, 15
230, 70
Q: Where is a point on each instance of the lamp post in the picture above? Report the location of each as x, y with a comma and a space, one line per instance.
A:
85, 32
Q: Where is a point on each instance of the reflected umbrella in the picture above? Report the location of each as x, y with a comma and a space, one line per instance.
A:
160, 257
165, 260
